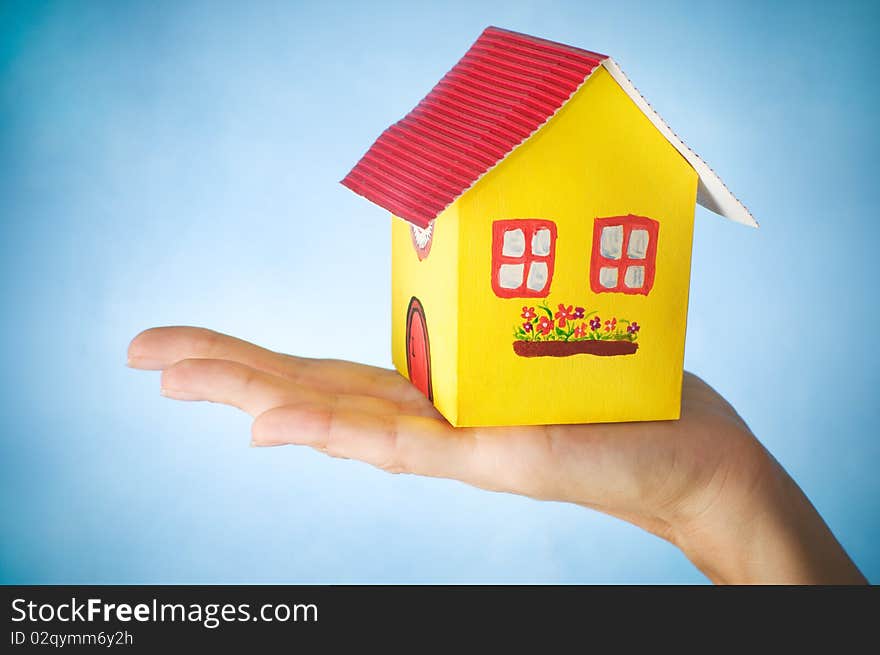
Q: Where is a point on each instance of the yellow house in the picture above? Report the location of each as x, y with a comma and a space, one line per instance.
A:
542, 222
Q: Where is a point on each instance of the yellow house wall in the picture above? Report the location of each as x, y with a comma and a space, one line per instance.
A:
598, 157
434, 281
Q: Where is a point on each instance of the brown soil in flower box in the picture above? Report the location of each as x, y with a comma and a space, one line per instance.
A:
566, 348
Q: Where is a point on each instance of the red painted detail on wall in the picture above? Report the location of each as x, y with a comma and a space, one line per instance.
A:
504, 88
427, 236
418, 349
529, 226
628, 223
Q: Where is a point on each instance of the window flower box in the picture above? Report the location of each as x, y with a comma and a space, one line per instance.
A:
573, 331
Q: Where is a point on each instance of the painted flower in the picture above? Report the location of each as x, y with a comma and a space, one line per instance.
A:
564, 314
545, 325
633, 327
610, 325
595, 323
580, 331
527, 326
579, 312
528, 313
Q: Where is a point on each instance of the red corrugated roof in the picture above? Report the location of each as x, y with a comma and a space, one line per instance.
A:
504, 88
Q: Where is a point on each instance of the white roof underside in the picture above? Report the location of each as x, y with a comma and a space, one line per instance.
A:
711, 192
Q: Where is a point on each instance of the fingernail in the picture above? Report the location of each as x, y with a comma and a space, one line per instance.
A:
266, 444
178, 395
145, 363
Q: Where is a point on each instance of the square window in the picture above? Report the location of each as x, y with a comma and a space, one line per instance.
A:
624, 254
514, 243
541, 242
523, 252
638, 244
612, 241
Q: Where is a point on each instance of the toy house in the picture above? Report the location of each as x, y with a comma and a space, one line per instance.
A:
542, 222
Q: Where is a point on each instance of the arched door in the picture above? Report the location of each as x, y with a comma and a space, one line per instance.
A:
418, 350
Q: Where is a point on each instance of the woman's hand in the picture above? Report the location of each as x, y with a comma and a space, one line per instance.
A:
703, 482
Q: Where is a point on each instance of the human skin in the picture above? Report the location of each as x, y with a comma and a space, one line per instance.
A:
703, 483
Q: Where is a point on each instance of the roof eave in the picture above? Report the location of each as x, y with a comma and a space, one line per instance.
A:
712, 193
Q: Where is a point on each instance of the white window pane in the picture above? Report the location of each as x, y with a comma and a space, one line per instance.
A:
635, 277
514, 243
608, 277
510, 276
541, 242
537, 276
638, 244
611, 245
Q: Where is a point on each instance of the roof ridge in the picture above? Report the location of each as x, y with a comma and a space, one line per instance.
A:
493, 29
483, 123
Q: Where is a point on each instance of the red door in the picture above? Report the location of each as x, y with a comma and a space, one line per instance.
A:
418, 351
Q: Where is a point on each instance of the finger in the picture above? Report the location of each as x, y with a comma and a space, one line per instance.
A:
253, 391
499, 459
395, 443
158, 348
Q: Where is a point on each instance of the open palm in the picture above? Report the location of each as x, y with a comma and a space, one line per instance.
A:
703, 482
658, 475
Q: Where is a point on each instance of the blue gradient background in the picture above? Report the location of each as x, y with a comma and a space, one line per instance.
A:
177, 163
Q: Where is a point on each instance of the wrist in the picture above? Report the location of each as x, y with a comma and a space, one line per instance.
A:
760, 528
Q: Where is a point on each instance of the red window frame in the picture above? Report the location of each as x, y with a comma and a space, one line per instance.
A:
597, 261
529, 226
